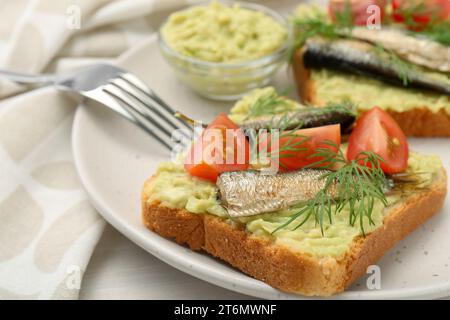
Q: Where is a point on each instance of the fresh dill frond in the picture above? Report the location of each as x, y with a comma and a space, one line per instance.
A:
401, 67
291, 119
355, 185
344, 18
310, 27
345, 105
319, 25
288, 123
287, 126
409, 11
293, 142
268, 104
284, 122
438, 31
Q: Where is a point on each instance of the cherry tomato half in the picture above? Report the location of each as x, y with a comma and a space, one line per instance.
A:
222, 147
419, 12
358, 9
377, 132
296, 148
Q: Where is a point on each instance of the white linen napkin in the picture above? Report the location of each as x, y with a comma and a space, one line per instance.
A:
48, 229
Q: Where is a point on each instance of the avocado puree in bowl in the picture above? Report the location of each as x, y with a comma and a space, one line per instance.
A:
223, 51
220, 33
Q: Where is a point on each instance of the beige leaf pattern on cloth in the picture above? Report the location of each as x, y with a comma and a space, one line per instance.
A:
20, 220
57, 175
11, 11
47, 225
64, 231
90, 44
32, 38
24, 126
8, 295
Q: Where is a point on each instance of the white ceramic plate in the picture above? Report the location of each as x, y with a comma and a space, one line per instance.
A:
114, 158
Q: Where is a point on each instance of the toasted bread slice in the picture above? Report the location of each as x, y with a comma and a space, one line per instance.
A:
277, 265
420, 121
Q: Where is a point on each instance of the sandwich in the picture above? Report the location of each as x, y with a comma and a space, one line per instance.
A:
402, 67
315, 212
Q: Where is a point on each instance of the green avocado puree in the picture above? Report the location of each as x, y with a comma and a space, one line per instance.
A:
220, 33
367, 93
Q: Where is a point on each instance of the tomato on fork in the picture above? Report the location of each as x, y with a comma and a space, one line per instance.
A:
377, 131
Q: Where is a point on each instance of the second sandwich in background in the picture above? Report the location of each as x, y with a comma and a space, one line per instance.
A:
404, 67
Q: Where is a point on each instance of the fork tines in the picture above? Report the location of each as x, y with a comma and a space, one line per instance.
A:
148, 110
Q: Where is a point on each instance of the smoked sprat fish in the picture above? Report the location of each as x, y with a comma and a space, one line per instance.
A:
360, 57
416, 49
305, 118
246, 193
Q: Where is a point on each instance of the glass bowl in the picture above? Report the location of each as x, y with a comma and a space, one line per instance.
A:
228, 81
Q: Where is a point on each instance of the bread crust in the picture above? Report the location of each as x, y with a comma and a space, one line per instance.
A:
419, 122
277, 265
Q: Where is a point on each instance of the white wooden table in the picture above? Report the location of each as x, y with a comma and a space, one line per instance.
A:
119, 269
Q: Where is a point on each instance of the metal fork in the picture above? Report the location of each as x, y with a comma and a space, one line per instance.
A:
120, 91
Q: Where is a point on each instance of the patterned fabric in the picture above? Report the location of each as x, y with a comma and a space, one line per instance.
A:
48, 229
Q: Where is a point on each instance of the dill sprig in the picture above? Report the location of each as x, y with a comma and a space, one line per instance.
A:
402, 68
319, 25
311, 27
344, 18
345, 105
273, 104
438, 31
408, 12
293, 141
290, 120
268, 104
287, 125
355, 185
284, 117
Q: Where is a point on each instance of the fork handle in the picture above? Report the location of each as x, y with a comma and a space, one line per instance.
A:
23, 78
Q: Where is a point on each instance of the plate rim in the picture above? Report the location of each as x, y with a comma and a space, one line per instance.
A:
196, 269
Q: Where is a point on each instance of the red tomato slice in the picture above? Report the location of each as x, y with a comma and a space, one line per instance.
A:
422, 11
296, 150
222, 147
377, 132
358, 9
